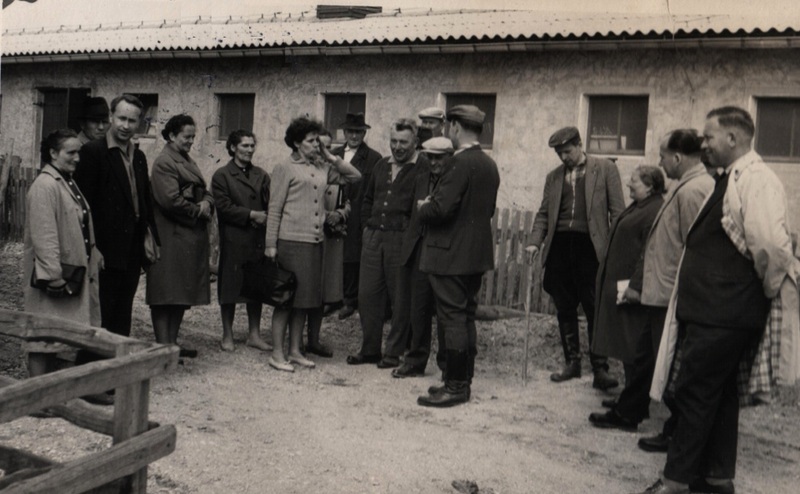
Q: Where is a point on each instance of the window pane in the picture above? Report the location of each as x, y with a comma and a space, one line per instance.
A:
235, 112
617, 124
778, 128
487, 104
149, 118
337, 106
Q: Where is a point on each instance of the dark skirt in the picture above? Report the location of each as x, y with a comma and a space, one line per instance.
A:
305, 261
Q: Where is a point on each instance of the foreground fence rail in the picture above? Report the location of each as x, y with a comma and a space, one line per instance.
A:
137, 442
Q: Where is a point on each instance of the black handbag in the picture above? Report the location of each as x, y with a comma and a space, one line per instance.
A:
267, 282
72, 275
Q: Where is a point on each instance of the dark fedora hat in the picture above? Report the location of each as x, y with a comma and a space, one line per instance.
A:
354, 121
95, 109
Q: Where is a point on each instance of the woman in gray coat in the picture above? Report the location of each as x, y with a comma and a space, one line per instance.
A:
183, 208
241, 194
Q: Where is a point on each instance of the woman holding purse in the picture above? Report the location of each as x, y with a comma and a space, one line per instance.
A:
183, 208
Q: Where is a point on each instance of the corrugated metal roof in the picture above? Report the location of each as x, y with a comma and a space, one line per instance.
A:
381, 29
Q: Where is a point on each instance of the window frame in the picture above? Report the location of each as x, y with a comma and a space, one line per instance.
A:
759, 117
618, 150
332, 121
491, 116
154, 123
222, 134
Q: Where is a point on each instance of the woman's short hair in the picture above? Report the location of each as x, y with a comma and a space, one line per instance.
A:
235, 137
298, 129
652, 177
175, 125
55, 141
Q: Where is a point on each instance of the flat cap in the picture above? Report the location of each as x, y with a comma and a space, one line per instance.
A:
432, 112
563, 136
466, 113
437, 145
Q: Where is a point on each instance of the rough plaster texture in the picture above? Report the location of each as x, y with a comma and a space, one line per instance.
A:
537, 93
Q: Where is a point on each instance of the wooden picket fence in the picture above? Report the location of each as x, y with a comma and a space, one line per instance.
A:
506, 286
17, 179
137, 442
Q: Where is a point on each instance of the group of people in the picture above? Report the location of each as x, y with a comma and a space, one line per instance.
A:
689, 288
683, 286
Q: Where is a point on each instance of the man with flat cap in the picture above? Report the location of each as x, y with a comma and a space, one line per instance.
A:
582, 197
458, 248
94, 119
357, 153
433, 119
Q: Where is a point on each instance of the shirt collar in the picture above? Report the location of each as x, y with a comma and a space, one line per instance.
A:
114, 143
412, 159
467, 145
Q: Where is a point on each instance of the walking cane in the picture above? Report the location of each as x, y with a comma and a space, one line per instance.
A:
528, 318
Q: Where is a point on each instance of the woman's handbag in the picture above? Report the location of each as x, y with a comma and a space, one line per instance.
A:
267, 282
151, 250
73, 277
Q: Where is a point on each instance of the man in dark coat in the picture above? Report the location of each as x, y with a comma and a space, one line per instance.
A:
93, 120
112, 174
415, 301
363, 157
458, 248
241, 196
582, 197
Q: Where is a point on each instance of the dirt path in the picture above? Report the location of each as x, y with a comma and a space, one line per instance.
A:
245, 428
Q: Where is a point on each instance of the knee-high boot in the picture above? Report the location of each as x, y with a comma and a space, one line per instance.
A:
570, 343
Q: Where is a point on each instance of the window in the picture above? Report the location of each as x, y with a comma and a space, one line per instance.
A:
617, 124
61, 108
337, 106
486, 103
235, 112
778, 128
149, 118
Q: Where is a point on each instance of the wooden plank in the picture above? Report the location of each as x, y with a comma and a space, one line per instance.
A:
102, 467
131, 407
525, 272
513, 261
30, 326
500, 261
13, 459
56, 388
488, 289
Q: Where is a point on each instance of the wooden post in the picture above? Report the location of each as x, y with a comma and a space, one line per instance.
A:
131, 407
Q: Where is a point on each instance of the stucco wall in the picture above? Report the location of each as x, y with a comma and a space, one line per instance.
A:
536, 94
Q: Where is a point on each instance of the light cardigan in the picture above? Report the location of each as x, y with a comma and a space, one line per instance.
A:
297, 199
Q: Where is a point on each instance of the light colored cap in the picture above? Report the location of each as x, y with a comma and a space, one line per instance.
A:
437, 145
432, 112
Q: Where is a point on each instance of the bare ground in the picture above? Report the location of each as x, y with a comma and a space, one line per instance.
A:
245, 428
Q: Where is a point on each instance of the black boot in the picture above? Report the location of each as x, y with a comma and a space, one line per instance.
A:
602, 380
572, 352
473, 351
456, 386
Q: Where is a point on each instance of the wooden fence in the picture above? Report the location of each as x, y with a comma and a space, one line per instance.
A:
14, 183
506, 286
137, 442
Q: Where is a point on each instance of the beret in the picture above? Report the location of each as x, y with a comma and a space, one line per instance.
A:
432, 112
437, 145
563, 136
466, 113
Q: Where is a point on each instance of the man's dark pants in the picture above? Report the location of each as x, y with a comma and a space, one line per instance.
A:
414, 310
350, 283
456, 303
380, 264
570, 276
706, 396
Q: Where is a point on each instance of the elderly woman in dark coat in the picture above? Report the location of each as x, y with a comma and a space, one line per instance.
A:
617, 322
295, 232
183, 208
241, 195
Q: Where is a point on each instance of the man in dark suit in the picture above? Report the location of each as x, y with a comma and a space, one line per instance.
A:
112, 174
458, 248
582, 197
363, 157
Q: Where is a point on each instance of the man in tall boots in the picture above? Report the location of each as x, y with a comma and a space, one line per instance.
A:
357, 153
458, 248
582, 197
737, 261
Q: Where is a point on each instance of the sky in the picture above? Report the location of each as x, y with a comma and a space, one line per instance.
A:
48, 13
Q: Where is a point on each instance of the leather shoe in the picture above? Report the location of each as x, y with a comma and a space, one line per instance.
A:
320, 350
389, 363
346, 311
609, 403
654, 444
660, 487
603, 381
612, 420
359, 359
570, 371
436, 390
453, 394
407, 370
701, 485
187, 352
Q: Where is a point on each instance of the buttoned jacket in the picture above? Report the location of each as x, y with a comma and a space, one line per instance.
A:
364, 160
604, 202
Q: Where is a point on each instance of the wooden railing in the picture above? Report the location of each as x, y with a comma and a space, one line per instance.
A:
14, 183
137, 442
507, 284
